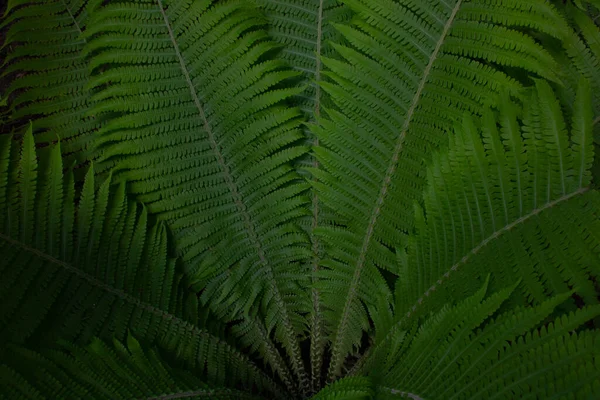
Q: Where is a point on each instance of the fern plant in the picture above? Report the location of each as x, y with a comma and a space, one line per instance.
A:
299, 199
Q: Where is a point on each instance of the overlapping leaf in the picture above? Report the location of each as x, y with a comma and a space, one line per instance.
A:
97, 266
510, 197
410, 69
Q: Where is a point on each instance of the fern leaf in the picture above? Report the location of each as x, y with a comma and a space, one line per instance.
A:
305, 29
202, 135
71, 294
253, 336
409, 71
532, 206
542, 232
50, 208
582, 48
85, 214
580, 56
27, 187
473, 351
5, 147
581, 136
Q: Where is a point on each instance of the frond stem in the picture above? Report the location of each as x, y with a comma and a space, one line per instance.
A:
316, 345
276, 359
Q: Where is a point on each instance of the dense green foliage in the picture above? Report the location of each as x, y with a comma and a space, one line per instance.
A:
328, 199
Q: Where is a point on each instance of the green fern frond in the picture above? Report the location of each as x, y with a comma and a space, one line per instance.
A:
530, 180
96, 269
199, 128
121, 371
305, 29
409, 71
47, 71
495, 203
462, 353
254, 339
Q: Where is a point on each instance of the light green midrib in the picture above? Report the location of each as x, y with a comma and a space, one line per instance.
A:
383, 192
72, 17
316, 349
491, 237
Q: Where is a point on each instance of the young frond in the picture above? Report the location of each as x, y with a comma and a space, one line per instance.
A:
72, 270
304, 29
